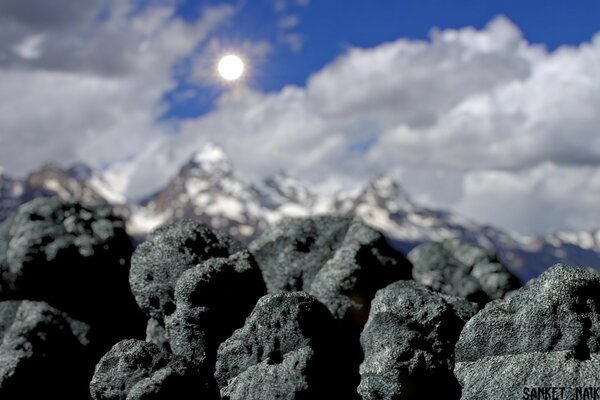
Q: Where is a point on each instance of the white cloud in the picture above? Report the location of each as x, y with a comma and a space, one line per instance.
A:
99, 103
30, 47
481, 121
546, 196
467, 103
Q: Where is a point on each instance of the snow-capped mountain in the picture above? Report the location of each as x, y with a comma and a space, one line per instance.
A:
384, 205
79, 182
207, 189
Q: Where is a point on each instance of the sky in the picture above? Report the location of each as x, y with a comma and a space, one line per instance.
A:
491, 109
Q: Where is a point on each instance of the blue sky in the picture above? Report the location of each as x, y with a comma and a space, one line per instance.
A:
489, 108
327, 29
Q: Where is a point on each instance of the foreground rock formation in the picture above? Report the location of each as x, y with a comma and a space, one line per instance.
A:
339, 260
408, 343
547, 334
317, 308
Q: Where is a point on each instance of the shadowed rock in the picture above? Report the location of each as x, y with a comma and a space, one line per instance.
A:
138, 370
339, 260
462, 269
409, 341
212, 300
285, 350
43, 352
159, 261
545, 334
75, 258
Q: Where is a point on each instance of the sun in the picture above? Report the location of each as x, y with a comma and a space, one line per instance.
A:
231, 67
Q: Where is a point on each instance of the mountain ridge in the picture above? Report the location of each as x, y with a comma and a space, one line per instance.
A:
206, 188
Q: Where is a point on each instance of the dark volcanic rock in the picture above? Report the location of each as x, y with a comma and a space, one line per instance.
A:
339, 260
284, 351
409, 341
545, 334
138, 370
76, 259
159, 261
462, 269
212, 300
43, 352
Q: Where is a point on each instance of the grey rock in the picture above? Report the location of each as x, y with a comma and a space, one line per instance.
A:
339, 260
408, 343
545, 334
7, 280
159, 261
284, 351
75, 258
43, 352
156, 333
212, 300
462, 269
138, 370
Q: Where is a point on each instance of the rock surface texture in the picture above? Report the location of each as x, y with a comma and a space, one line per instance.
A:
408, 343
168, 252
546, 334
76, 259
285, 350
212, 300
43, 352
462, 269
339, 260
138, 370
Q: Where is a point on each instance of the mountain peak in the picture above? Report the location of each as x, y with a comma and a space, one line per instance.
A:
80, 171
211, 158
387, 188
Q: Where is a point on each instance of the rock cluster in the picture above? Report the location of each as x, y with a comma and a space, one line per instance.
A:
43, 352
547, 334
462, 269
196, 286
316, 308
339, 260
76, 259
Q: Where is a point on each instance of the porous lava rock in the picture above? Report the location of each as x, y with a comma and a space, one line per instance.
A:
212, 300
136, 370
339, 260
408, 343
168, 252
75, 258
547, 334
462, 269
43, 352
285, 350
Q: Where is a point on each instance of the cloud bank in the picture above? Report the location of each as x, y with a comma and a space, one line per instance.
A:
480, 121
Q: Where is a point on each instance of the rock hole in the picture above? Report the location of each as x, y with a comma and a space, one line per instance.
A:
154, 303
169, 308
275, 357
304, 245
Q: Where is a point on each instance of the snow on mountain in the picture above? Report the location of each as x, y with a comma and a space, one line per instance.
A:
79, 183
207, 189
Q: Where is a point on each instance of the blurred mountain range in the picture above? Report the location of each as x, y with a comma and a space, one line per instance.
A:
207, 189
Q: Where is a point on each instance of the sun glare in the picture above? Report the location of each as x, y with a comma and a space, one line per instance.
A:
231, 67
